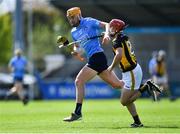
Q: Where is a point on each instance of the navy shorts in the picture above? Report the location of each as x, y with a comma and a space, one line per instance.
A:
18, 79
98, 62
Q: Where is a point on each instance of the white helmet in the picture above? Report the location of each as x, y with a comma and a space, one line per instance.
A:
162, 53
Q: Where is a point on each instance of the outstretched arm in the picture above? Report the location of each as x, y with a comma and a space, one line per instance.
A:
106, 38
77, 52
10, 66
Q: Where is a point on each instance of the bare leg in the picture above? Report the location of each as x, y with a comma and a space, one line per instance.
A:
126, 96
84, 75
13, 90
136, 95
19, 87
132, 109
111, 78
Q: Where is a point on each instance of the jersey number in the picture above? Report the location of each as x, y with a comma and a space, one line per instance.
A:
130, 47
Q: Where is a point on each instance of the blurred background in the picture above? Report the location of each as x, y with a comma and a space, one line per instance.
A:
34, 25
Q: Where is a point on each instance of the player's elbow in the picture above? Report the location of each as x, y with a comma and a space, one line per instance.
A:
118, 56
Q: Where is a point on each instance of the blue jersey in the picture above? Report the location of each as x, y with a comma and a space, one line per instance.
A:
87, 28
19, 65
152, 64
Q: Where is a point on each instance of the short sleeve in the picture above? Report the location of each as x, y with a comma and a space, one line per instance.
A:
25, 61
117, 43
119, 40
93, 22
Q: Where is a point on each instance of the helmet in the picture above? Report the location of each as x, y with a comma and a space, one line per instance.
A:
162, 53
18, 51
73, 11
117, 24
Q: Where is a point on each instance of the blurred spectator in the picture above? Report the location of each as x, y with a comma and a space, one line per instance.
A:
17, 66
158, 72
152, 63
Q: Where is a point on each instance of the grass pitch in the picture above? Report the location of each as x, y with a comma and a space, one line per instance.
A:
99, 116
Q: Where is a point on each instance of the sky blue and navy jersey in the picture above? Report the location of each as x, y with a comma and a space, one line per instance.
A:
19, 65
88, 28
152, 64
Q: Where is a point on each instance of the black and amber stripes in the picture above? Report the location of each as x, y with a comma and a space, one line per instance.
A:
128, 61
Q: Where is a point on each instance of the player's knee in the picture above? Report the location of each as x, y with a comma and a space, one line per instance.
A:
124, 103
78, 82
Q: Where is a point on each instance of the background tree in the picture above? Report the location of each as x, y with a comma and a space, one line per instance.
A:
5, 38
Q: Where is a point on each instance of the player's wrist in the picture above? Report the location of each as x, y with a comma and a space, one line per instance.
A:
106, 34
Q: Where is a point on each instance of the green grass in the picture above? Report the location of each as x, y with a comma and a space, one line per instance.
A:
99, 116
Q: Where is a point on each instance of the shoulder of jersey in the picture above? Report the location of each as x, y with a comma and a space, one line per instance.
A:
122, 37
87, 18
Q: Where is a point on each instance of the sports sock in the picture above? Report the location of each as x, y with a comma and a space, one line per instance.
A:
136, 119
143, 87
78, 108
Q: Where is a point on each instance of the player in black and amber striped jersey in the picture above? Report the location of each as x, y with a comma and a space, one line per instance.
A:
128, 61
131, 70
160, 75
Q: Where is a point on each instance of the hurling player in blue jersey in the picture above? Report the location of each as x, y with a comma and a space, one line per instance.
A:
17, 65
84, 28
